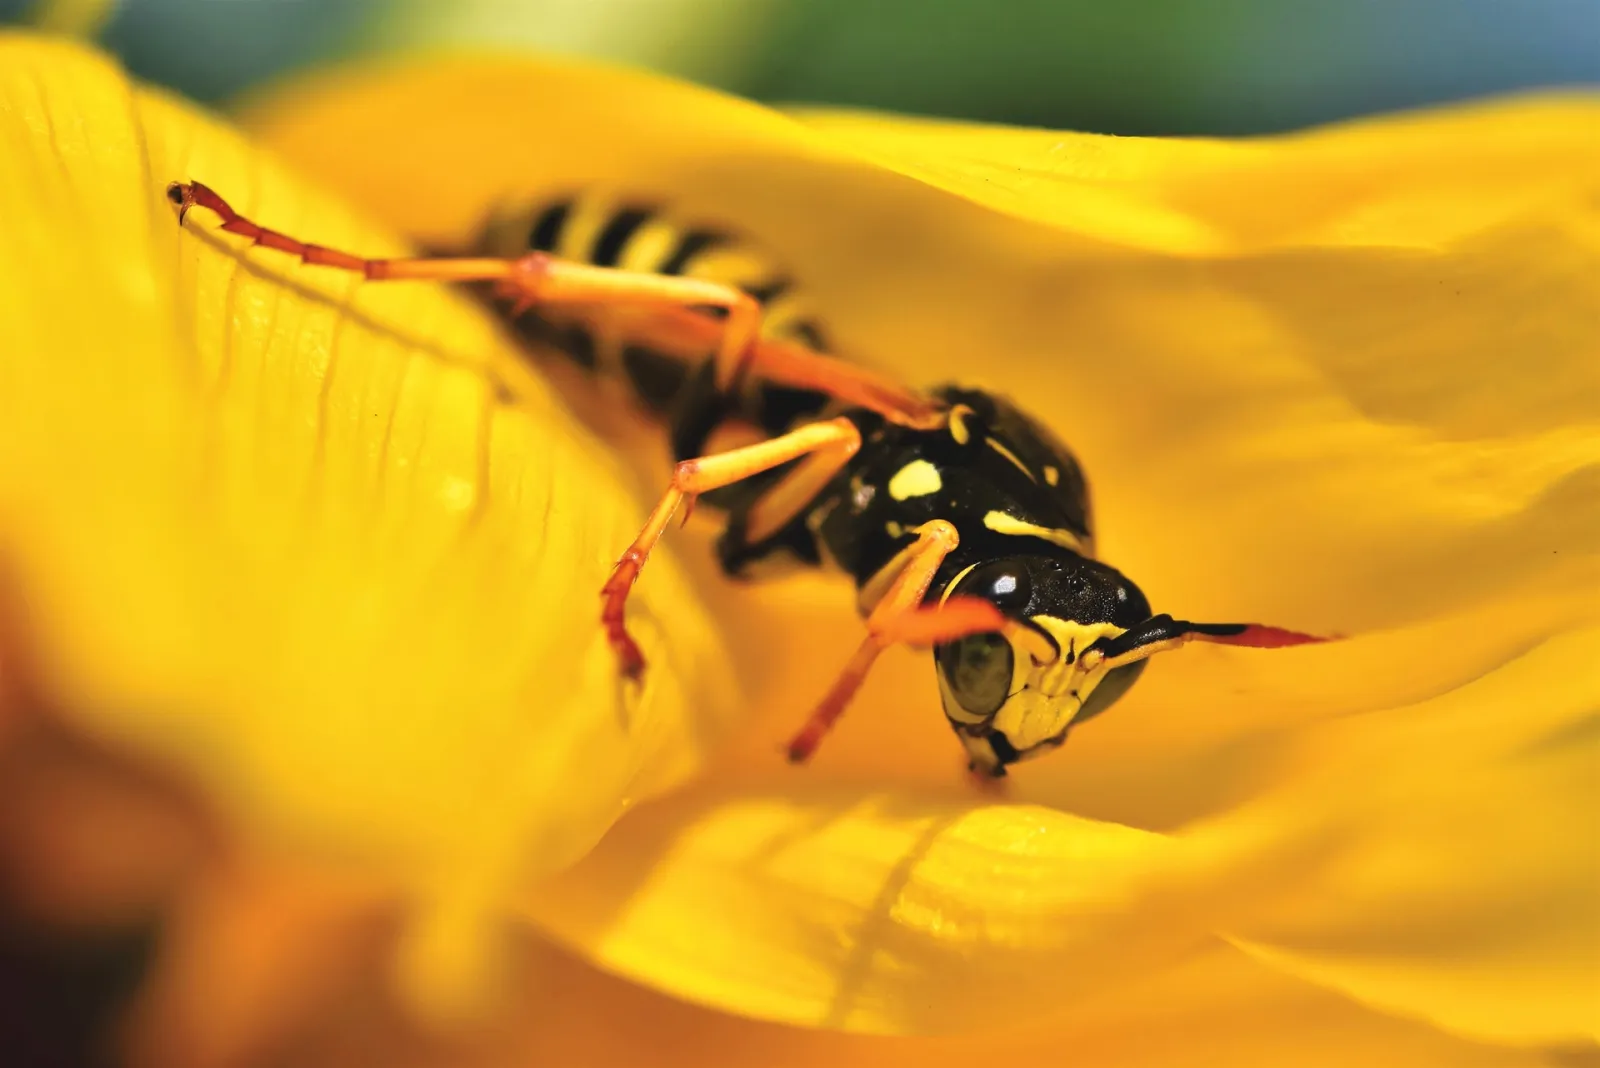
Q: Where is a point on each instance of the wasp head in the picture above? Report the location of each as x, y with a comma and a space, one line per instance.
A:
1014, 695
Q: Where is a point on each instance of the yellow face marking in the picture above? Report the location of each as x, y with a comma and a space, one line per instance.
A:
1001, 523
893, 529
1049, 696
958, 424
1073, 638
916, 479
1051, 475
1009, 455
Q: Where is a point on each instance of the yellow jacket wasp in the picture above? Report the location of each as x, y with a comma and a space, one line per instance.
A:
964, 523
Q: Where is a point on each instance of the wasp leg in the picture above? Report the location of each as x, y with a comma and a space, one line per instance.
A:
834, 441
1162, 633
790, 364
900, 617
685, 332
527, 281
786, 363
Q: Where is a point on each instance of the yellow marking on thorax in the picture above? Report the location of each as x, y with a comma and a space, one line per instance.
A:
1001, 523
958, 424
1051, 475
916, 479
1009, 455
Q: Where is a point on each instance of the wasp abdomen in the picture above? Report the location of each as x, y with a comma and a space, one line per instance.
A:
656, 354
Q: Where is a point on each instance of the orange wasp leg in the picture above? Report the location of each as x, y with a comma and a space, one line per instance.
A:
834, 441
901, 617
687, 333
526, 281
797, 366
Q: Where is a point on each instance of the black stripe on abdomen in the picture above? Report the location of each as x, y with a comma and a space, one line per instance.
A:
656, 378
693, 243
545, 233
613, 239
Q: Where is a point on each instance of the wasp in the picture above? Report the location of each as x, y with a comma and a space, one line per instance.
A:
964, 523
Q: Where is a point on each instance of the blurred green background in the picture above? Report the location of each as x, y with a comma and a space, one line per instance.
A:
1143, 66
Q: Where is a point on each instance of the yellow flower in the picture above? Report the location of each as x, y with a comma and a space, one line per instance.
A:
274, 532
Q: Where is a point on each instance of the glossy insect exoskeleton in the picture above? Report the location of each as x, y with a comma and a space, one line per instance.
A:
964, 523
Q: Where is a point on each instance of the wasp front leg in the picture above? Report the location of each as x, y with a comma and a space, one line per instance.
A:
829, 444
900, 617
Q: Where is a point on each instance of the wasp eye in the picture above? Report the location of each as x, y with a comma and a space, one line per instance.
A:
1005, 583
978, 669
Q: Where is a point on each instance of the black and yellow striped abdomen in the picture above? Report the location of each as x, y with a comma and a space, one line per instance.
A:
629, 235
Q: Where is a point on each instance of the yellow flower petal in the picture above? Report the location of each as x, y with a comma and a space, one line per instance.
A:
1343, 380
274, 528
1462, 883
894, 914
1319, 423
1436, 861
1327, 187
871, 913
1215, 1007
1456, 884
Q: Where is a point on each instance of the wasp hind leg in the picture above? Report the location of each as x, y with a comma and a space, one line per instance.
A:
528, 281
825, 444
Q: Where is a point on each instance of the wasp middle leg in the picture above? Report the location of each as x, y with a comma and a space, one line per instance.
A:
829, 445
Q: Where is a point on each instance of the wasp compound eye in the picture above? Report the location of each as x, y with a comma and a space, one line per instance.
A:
978, 669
